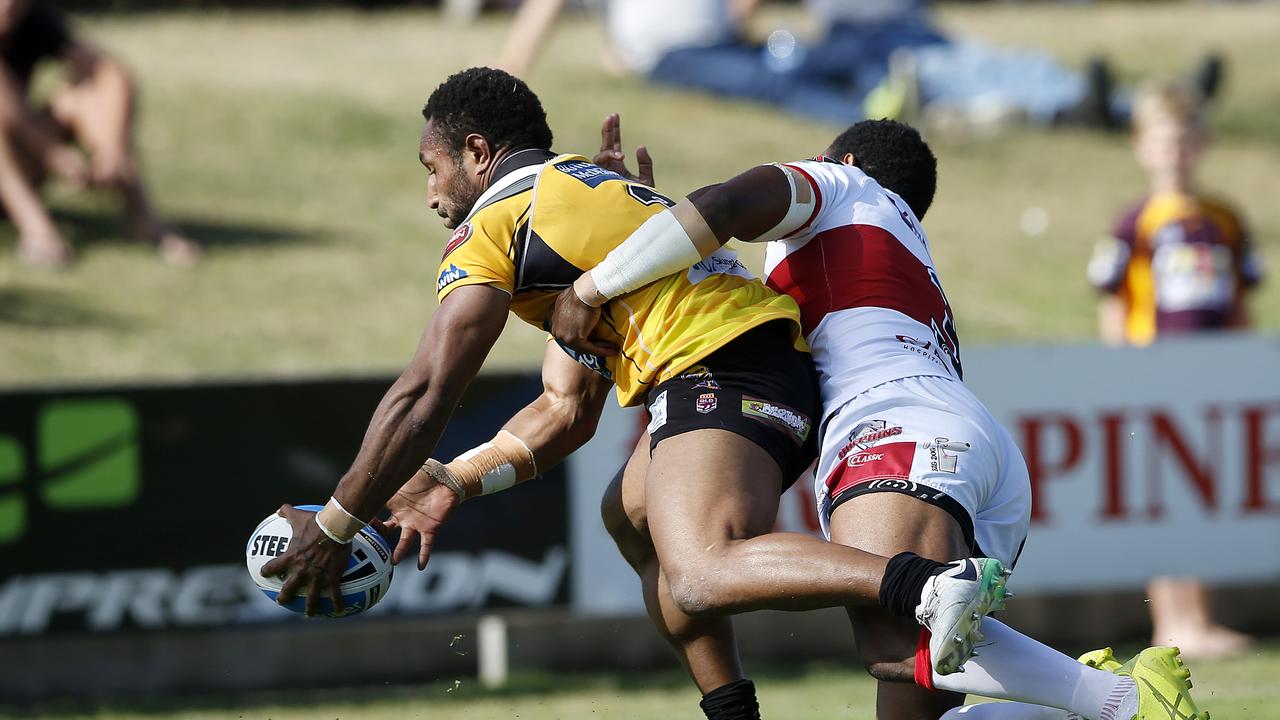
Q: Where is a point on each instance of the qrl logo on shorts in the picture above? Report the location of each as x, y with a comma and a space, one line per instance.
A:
707, 403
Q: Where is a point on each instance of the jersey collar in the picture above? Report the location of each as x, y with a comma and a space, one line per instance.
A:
513, 168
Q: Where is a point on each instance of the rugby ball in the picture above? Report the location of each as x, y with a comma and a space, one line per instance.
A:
365, 582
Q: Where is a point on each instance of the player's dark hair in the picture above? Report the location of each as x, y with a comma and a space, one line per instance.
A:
492, 103
895, 156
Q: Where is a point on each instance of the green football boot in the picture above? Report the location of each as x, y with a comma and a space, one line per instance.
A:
1164, 685
1103, 659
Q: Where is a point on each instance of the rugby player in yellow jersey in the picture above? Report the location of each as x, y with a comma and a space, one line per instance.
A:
712, 352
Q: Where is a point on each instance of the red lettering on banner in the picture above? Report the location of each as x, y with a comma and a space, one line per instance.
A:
1259, 458
891, 461
1167, 437
1040, 467
1113, 466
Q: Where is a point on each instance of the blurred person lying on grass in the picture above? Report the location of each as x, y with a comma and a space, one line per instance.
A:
83, 136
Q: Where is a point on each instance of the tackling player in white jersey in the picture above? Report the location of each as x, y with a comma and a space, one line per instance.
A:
910, 459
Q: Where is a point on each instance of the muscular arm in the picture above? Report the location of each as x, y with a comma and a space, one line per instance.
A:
558, 422
763, 203
564, 417
413, 413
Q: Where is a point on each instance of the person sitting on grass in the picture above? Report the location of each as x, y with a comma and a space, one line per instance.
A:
83, 136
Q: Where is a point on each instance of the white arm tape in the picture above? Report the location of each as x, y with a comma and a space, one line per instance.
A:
494, 479
658, 248
803, 203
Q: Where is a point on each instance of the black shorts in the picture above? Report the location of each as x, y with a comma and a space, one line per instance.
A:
758, 386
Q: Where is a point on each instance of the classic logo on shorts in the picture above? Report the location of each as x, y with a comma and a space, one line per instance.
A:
449, 276
939, 460
461, 235
782, 415
707, 402
889, 463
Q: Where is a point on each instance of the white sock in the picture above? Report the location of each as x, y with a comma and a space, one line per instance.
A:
1007, 711
1012, 666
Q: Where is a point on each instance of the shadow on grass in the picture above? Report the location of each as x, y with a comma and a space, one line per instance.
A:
521, 685
32, 307
88, 226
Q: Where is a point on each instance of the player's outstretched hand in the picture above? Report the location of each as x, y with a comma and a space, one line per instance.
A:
313, 562
573, 321
612, 158
419, 508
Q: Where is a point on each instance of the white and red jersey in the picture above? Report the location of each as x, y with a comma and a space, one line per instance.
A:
870, 300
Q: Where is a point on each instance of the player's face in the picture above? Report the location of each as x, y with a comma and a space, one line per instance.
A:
453, 186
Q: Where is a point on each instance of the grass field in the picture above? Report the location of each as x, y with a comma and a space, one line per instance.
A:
286, 143
1240, 688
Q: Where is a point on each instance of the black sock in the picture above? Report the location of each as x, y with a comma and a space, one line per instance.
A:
735, 701
903, 581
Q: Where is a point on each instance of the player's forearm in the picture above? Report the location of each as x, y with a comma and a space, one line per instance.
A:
554, 426
402, 434
760, 204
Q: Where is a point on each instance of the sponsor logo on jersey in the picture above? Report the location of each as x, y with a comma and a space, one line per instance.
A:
940, 460
461, 235
721, 262
588, 174
595, 363
908, 340
889, 463
796, 423
707, 402
449, 276
657, 412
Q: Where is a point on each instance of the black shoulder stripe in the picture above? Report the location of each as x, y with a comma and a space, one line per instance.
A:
520, 186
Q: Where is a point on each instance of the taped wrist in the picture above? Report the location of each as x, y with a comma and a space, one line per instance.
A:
667, 243
486, 469
335, 522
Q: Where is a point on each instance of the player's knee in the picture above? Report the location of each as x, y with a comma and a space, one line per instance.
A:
701, 590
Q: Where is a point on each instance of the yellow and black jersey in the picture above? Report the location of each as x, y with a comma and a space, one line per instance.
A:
540, 226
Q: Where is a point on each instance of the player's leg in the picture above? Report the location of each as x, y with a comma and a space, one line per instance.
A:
724, 438
887, 524
99, 112
951, 473
705, 646
712, 498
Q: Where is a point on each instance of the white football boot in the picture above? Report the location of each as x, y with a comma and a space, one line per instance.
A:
952, 606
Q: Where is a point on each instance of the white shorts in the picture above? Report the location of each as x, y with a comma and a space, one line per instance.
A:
929, 437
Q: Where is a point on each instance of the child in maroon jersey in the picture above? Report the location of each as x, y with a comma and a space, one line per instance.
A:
1179, 260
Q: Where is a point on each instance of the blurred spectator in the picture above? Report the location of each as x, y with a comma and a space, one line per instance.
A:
1179, 261
83, 136
881, 58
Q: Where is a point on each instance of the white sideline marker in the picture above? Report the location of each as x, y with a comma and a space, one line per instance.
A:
491, 636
